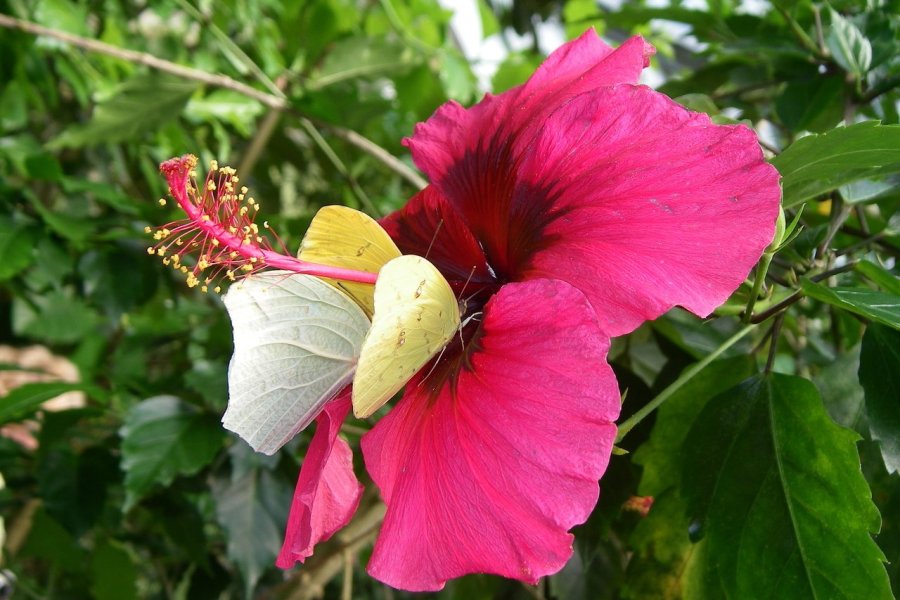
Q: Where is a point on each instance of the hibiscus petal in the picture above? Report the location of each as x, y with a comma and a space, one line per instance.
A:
428, 225
651, 205
490, 472
327, 492
586, 63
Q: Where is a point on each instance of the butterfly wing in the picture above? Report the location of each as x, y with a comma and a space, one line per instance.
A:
296, 343
416, 314
342, 237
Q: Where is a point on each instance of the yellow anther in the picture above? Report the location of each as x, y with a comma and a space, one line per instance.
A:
147, 229
213, 165
161, 251
166, 261
259, 239
215, 242
217, 289
233, 254
256, 207
243, 210
162, 201
254, 227
183, 269
229, 274
244, 189
266, 224
203, 289
246, 267
178, 242
204, 217
151, 250
157, 235
253, 259
211, 185
232, 230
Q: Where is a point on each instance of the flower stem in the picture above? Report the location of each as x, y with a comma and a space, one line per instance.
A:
761, 270
676, 385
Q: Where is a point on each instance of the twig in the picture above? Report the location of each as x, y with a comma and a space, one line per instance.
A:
798, 32
793, 298
885, 86
773, 343
310, 579
263, 134
216, 80
373, 149
820, 35
296, 137
142, 58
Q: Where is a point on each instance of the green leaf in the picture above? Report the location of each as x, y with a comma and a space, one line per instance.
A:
143, 103
237, 110
16, 247
877, 306
252, 507
848, 46
661, 454
456, 77
55, 317
814, 103
362, 57
49, 540
114, 573
489, 23
24, 400
163, 437
775, 489
884, 279
515, 69
841, 393
665, 559
579, 15
818, 164
879, 374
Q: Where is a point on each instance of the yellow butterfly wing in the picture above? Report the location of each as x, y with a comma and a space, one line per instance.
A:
340, 236
416, 314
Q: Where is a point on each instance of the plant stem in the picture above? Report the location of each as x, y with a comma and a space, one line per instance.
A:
676, 385
761, 271
774, 310
773, 343
338, 164
799, 33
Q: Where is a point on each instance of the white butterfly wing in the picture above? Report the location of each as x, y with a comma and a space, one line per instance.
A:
296, 343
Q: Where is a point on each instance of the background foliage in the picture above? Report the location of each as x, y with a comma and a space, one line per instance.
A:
769, 463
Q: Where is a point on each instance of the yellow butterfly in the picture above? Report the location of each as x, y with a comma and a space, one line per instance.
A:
416, 314
340, 236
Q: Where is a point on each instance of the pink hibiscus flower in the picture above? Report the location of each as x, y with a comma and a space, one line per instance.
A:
565, 211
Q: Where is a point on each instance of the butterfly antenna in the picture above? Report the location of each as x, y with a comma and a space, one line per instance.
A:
434, 237
434, 365
468, 279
